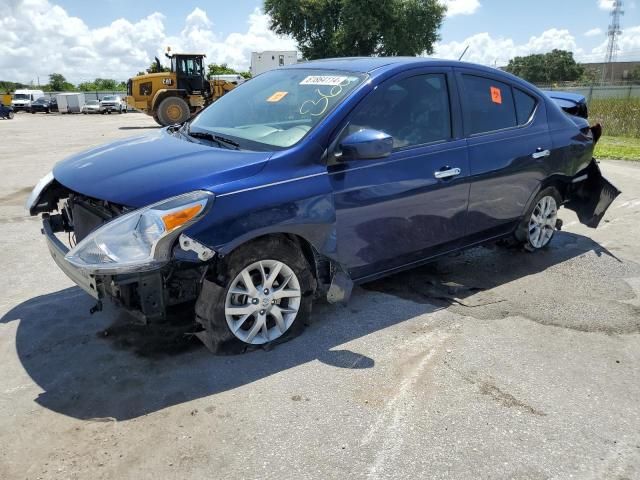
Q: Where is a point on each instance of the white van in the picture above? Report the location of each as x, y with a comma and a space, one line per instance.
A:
22, 98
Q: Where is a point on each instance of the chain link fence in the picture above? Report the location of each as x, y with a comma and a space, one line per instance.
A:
596, 92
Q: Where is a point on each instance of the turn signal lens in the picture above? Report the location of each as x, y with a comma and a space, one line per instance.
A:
174, 220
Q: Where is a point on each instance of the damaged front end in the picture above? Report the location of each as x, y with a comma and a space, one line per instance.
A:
139, 258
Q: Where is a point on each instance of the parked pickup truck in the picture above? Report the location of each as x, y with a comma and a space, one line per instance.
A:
112, 103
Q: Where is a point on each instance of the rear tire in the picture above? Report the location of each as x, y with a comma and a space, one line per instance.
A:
263, 299
173, 110
539, 224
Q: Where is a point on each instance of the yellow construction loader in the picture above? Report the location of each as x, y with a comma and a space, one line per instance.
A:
174, 96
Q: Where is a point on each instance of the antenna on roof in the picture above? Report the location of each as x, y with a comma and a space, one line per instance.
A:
463, 53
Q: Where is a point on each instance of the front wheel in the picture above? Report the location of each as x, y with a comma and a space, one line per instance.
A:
10, 115
265, 298
173, 110
539, 225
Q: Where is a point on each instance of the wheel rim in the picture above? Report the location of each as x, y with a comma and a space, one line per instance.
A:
174, 112
262, 302
543, 221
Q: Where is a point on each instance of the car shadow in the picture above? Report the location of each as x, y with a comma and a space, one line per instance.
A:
102, 366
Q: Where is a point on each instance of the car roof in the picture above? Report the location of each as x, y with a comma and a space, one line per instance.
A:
371, 64
376, 65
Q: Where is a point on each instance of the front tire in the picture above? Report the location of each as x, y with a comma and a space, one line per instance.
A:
264, 298
539, 224
173, 110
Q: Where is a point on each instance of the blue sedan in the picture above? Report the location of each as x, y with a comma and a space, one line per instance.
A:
309, 178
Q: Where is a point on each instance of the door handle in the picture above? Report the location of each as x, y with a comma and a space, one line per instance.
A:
451, 172
541, 154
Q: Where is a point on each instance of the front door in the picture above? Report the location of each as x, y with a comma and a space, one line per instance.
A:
396, 211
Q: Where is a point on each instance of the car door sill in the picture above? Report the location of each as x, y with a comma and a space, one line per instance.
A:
390, 271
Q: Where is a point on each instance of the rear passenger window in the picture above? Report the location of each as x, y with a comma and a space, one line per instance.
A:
414, 111
525, 105
488, 104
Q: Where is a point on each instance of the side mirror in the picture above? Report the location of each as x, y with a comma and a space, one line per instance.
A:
366, 145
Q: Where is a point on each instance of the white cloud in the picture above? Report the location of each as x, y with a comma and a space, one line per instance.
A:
488, 50
605, 4
594, 32
461, 7
38, 37
628, 46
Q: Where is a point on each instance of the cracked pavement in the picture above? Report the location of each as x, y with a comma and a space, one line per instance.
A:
493, 363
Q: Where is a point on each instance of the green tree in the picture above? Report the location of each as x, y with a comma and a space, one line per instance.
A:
57, 83
337, 28
102, 84
555, 66
634, 75
222, 69
8, 87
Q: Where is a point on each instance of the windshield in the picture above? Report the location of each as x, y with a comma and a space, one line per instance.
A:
278, 108
21, 96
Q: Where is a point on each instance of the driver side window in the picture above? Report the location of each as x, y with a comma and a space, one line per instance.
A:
414, 111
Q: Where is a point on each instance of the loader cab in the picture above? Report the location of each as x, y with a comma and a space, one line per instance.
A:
190, 75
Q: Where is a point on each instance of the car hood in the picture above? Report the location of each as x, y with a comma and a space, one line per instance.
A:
142, 170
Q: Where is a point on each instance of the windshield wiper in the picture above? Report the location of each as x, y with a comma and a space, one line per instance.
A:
221, 141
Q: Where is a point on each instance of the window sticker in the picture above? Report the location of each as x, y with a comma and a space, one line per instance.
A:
496, 95
330, 80
276, 97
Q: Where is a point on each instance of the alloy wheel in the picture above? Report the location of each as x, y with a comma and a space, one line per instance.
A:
543, 222
262, 302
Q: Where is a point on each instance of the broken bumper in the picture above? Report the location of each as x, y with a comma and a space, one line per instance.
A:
591, 196
58, 251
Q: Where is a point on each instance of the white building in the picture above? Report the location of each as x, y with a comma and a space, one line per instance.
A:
268, 60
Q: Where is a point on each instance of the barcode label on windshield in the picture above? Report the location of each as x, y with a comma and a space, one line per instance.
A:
324, 80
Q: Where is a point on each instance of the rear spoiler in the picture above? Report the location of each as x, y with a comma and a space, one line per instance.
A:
572, 103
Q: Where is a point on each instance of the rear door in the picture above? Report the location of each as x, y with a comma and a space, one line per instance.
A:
509, 144
397, 210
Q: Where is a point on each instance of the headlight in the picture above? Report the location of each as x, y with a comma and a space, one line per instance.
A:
140, 240
44, 182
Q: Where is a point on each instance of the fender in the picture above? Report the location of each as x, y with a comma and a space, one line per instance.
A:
164, 93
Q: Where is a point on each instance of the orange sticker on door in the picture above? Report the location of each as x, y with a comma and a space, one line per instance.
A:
496, 95
276, 97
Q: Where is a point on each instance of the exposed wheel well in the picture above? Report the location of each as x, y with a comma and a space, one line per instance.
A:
560, 184
320, 266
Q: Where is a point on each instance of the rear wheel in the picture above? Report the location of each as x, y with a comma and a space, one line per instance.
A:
265, 299
10, 115
173, 110
539, 225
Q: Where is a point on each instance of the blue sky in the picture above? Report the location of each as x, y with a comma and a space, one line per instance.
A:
515, 19
121, 37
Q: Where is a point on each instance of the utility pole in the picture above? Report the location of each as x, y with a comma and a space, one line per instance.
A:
614, 32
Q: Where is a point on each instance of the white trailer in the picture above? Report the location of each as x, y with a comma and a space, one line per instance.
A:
70, 102
264, 61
